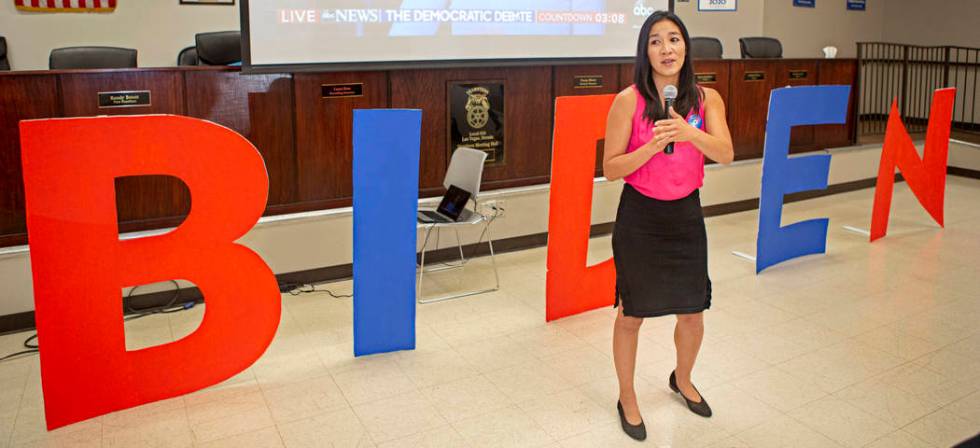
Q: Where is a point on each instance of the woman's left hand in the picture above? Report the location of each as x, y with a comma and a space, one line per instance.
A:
678, 125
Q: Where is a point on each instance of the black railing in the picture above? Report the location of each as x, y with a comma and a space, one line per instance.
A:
911, 74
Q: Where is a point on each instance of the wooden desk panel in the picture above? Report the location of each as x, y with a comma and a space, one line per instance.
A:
565, 77
306, 140
528, 112
426, 90
625, 75
21, 98
324, 134
79, 92
148, 201
749, 106
720, 67
721, 70
792, 73
837, 71
260, 108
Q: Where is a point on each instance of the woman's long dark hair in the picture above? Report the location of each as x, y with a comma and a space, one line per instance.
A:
687, 89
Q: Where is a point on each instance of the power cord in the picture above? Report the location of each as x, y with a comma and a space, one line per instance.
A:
170, 307
31, 349
497, 211
154, 309
27, 342
298, 289
294, 289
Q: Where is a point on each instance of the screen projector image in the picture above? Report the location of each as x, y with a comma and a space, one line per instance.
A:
286, 32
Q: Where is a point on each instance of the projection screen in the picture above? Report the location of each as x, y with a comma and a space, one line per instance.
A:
345, 34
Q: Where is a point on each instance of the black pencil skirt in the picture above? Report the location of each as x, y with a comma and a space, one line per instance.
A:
661, 255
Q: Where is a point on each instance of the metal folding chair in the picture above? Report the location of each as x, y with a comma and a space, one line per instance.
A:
466, 172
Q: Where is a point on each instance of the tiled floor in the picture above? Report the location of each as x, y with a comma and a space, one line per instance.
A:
872, 345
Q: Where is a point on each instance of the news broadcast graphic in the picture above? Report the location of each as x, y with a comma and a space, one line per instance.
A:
290, 32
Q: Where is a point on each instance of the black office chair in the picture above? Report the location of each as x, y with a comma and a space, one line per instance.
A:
188, 56
219, 48
4, 63
760, 48
91, 57
706, 48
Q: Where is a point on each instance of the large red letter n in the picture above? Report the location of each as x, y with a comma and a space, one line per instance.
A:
80, 265
926, 176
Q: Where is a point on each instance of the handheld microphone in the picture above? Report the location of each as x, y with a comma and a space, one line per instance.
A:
670, 95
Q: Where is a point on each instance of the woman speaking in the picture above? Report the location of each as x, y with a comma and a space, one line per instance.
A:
659, 241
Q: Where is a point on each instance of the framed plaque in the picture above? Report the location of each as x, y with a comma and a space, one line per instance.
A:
718, 5
476, 118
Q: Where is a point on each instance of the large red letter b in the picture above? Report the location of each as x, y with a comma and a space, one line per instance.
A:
80, 265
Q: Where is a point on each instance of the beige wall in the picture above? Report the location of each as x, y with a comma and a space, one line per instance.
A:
802, 31
805, 31
933, 22
746, 21
158, 29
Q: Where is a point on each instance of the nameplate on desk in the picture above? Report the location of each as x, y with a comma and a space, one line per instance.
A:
589, 81
799, 74
706, 78
342, 90
128, 98
755, 76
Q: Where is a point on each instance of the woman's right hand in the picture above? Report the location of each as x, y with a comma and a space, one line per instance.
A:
659, 142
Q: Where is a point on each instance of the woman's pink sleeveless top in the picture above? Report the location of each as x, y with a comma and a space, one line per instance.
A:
666, 177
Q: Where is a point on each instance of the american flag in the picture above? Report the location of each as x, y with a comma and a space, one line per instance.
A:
66, 5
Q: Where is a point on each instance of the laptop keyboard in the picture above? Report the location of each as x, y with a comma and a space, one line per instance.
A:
431, 216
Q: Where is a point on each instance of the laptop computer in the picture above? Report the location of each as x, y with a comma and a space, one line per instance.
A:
450, 208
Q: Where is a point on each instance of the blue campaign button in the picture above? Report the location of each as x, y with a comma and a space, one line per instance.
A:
695, 121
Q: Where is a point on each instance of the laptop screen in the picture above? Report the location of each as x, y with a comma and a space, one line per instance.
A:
454, 202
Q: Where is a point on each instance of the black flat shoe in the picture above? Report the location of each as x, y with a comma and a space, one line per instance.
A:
637, 432
701, 408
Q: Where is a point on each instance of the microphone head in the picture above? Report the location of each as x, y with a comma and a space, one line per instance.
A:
670, 92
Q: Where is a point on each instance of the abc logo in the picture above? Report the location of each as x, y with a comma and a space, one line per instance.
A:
642, 10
